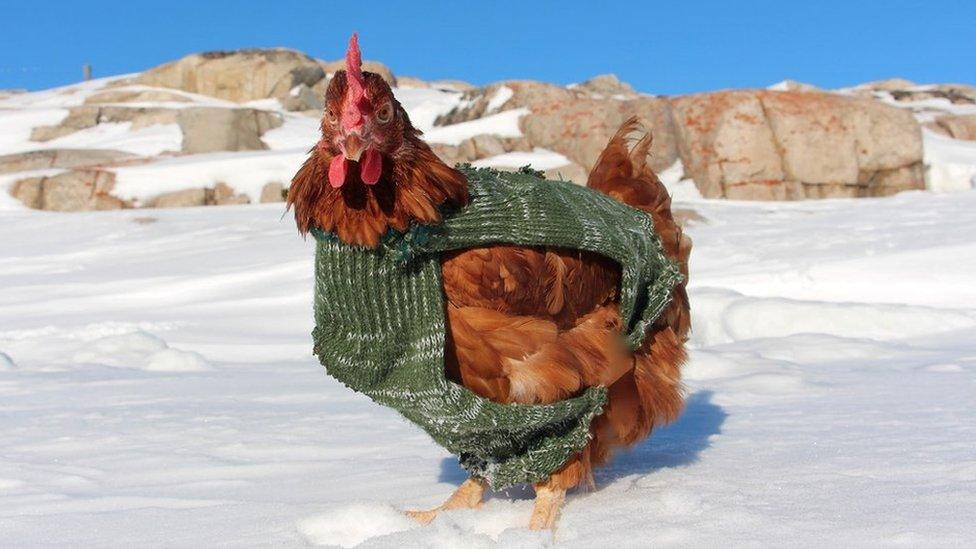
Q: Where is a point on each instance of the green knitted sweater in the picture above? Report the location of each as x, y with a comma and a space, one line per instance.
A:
379, 317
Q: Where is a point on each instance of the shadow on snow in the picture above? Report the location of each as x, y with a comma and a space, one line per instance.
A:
676, 445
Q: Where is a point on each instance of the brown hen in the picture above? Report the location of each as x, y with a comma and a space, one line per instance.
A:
524, 324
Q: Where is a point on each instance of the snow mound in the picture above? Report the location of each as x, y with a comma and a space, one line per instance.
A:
141, 351
351, 525
122, 350
175, 360
726, 316
498, 523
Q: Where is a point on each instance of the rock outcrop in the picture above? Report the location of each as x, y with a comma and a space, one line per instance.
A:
750, 144
957, 94
213, 129
272, 192
185, 198
220, 194
73, 191
573, 122
61, 158
787, 145
239, 76
609, 85
790, 141
295, 79
957, 126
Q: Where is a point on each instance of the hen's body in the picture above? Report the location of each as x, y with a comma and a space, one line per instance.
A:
524, 324
538, 325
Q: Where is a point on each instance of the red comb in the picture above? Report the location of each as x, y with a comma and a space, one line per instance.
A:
352, 114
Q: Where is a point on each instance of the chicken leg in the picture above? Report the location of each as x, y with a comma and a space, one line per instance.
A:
548, 502
467, 496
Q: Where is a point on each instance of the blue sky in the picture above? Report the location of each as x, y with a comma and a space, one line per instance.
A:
660, 47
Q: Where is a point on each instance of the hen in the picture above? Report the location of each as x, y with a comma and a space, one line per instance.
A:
525, 325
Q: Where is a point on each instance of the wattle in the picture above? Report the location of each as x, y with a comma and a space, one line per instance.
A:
337, 171
370, 168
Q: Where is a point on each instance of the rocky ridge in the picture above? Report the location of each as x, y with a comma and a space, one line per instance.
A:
791, 141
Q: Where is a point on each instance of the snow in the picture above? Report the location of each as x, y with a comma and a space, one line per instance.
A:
18, 124
538, 158
148, 141
951, 163
925, 110
679, 186
157, 388
425, 105
175, 360
351, 525
157, 385
62, 97
296, 132
140, 350
246, 172
500, 97
189, 99
269, 104
503, 124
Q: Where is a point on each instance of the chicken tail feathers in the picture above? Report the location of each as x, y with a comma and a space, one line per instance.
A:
622, 172
649, 394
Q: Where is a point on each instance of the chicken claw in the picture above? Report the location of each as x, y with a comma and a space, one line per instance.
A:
467, 496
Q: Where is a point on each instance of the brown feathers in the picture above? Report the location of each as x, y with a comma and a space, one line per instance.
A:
413, 186
537, 325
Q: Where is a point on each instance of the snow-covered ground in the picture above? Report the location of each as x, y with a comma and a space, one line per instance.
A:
157, 388
157, 385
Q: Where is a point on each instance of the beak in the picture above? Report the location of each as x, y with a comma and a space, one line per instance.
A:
353, 146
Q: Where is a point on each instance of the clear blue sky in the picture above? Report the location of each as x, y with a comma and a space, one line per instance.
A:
660, 47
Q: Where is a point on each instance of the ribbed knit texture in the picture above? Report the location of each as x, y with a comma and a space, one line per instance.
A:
379, 317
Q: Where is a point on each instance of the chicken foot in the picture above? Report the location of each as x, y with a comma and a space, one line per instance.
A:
548, 502
467, 496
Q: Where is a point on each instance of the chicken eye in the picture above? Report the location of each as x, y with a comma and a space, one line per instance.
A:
330, 115
385, 114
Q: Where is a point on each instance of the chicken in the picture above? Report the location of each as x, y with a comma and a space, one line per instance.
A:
528, 325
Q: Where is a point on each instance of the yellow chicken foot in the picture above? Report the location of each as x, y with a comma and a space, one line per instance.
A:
548, 502
467, 496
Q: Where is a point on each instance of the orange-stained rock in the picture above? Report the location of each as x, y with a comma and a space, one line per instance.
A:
776, 145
